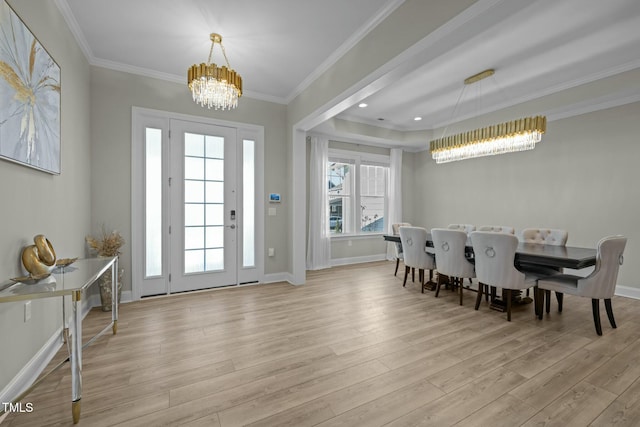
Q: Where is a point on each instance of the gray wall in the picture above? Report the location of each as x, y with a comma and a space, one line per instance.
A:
583, 177
35, 202
113, 94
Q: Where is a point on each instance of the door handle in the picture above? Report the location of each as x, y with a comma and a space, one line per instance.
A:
232, 226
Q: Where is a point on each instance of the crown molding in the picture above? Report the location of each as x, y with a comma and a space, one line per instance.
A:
345, 47
74, 27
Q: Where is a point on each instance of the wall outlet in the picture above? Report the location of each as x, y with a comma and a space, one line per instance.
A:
27, 311
272, 251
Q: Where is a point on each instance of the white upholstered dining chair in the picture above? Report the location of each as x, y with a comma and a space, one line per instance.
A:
494, 255
449, 246
600, 284
395, 228
544, 236
467, 228
497, 229
414, 245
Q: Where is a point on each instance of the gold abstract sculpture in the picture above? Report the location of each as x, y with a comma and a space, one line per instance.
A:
39, 259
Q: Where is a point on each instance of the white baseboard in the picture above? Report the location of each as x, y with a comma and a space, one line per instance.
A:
276, 277
30, 372
627, 291
358, 260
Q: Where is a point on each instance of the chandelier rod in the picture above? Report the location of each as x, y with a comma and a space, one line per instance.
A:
217, 38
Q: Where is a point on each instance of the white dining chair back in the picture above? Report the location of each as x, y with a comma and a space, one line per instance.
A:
497, 229
414, 244
494, 254
467, 228
449, 247
545, 236
395, 228
600, 284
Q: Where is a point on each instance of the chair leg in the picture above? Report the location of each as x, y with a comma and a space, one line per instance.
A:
413, 274
559, 297
438, 283
421, 279
508, 297
595, 305
406, 274
397, 264
607, 305
547, 297
461, 288
539, 295
479, 297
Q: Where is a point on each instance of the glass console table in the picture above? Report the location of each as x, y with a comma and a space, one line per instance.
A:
73, 280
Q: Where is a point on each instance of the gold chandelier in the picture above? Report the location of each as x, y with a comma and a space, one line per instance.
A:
213, 86
516, 135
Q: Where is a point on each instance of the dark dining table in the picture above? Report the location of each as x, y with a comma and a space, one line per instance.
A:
539, 254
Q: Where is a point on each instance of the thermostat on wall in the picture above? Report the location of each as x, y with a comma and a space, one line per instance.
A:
274, 198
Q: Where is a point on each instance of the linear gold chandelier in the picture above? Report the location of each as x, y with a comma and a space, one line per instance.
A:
516, 135
213, 86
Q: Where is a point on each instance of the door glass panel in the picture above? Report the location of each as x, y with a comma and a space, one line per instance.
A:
215, 170
193, 214
194, 237
215, 259
193, 145
203, 203
215, 214
193, 168
215, 237
153, 202
214, 147
215, 192
194, 261
248, 204
194, 192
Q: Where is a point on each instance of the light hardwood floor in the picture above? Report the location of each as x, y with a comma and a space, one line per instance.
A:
351, 347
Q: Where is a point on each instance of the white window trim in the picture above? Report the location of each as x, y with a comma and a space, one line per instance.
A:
358, 157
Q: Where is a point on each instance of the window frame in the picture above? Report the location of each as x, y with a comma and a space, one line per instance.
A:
358, 158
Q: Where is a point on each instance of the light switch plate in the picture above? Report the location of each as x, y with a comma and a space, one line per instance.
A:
27, 311
272, 211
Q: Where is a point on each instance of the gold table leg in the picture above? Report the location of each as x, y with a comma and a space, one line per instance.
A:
75, 410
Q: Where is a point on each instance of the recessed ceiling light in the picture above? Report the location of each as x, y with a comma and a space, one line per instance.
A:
417, 119
362, 105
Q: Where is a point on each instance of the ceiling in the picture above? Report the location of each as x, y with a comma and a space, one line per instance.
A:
538, 49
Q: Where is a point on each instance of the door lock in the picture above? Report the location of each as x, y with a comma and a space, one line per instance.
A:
233, 214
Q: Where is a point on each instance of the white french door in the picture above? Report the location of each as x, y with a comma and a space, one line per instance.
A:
197, 204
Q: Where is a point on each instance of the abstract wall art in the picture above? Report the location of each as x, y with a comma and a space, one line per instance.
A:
29, 97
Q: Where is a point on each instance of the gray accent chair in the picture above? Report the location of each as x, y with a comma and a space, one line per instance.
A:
600, 284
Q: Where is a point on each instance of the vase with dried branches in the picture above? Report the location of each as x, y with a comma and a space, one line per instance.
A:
107, 244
